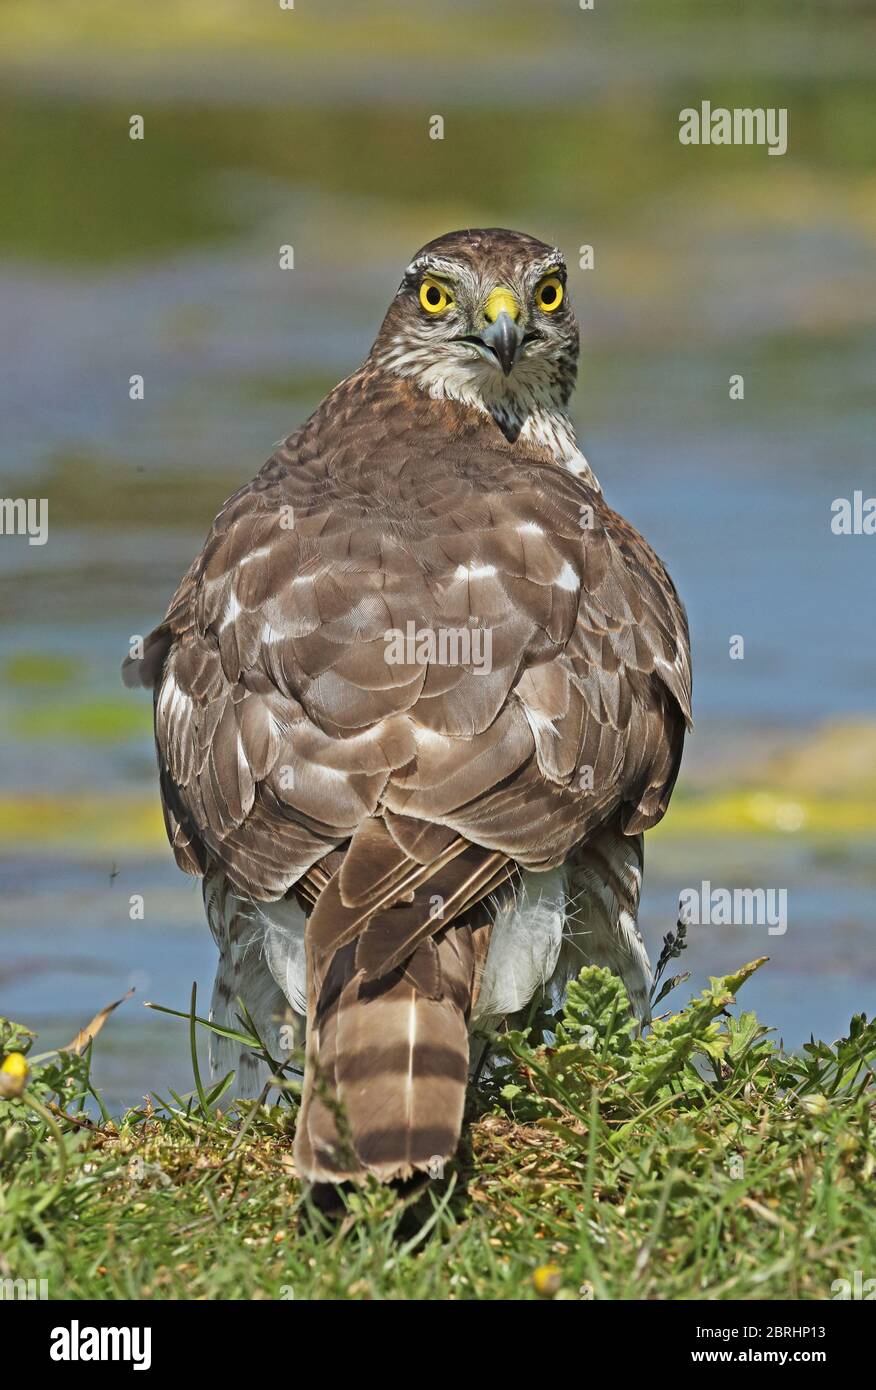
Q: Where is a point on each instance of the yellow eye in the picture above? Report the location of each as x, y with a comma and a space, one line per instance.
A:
434, 297
549, 294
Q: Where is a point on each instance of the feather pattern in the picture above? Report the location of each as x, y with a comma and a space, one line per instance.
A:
402, 831
387, 1065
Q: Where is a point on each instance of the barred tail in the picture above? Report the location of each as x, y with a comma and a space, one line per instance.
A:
387, 1063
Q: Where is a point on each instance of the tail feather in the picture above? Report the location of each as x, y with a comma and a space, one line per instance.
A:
387, 1063
323, 1152
391, 952
403, 1090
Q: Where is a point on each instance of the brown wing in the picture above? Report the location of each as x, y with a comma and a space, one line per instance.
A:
300, 707
282, 725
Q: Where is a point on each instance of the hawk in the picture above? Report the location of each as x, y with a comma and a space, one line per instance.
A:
416, 701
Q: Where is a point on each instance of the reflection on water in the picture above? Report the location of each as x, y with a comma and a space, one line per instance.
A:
169, 269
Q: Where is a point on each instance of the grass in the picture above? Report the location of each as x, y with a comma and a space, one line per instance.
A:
699, 1162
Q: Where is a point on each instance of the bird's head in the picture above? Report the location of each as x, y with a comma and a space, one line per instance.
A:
484, 317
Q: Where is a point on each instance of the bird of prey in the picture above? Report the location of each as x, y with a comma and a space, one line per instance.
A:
416, 701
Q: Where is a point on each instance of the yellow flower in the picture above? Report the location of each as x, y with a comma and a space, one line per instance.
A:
13, 1075
547, 1280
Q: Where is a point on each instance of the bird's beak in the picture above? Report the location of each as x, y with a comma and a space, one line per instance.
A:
503, 334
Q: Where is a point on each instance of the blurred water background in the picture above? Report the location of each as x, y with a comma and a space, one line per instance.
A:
310, 127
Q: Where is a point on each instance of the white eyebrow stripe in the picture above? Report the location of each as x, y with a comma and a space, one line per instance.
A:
434, 266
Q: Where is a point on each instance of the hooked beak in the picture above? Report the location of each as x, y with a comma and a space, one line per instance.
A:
504, 338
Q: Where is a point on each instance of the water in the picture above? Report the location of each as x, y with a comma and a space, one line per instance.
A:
168, 268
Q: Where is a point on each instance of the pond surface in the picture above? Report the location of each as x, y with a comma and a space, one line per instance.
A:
168, 269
